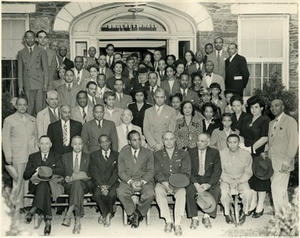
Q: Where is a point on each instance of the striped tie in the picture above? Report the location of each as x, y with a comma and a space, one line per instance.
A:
201, 164
135, 157
83, 115
65, 134
76, 167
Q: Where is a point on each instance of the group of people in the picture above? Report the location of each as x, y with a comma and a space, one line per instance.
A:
121, 129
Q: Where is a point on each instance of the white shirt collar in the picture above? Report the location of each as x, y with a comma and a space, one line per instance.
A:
137, 151
157, 107
219, 51
32, 47
107, 153
279, 118
43, 154
231, 57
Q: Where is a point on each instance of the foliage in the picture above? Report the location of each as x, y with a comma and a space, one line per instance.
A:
7, 107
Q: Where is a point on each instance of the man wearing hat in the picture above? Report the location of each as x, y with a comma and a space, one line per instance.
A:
76, 171
142, 78
236, 171
205, 176
40, 169
168, 162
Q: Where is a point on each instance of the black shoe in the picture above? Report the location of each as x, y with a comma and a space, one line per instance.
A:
47, 229
258, 214
131, 218
29, 217
228, 219
242, 217
251, 212
136, 219
206, 222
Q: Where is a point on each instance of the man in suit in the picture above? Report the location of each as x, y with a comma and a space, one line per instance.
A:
68, 91
209, 77
281, 149
157, 57
103, 69
109, 49
49, 115
54, 45
170, 91
104, 173
218, 57
167, 162
111, 112
17, 144
102, 88
136, 171
93, 129
62, 59
82, 112
76, 173
187, 94
91, 89
206, 172
153, 79
33, 73
208, 48
161, 70
125, 127
158, 120
79, 72
92, 56
237, 73
42, 200
62, 131
122, 100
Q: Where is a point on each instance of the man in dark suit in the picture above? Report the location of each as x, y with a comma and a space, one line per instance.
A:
109, 49
78, 183
237, 73
93, 129
92, 56
153, 79
33, 76
62, 131
136, 171
103, 69
187, 94
80, 74
42, 200
104, 173
62, 59
91, 89
206, 172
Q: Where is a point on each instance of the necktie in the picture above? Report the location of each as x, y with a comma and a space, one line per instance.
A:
152, 91
65, 134
201, 164
135, 157
69, 87
94, 101
158, 110
274, 127
76, 167
78, 74
106, 157
99, 125
55, 113
127, 130
83, 115
209, 75
218, 58
30, 50
101, 71
120, 97
184, 93
45, 158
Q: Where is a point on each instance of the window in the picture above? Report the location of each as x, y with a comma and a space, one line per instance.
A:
12, 37
263, 41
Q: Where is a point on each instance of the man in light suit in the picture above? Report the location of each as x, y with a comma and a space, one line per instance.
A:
92, 56
62, 59
237, 73
122, 100
49, 115
93, 129
33, 73
281, 149
76, 162
153, 79
111, 112
158, 120
82, 112
62, 131
103, 69
209, 77
157, 57
18, 143
136, 171
218, 57
125, 127
170, 91
187, 94
68, 91
79, 72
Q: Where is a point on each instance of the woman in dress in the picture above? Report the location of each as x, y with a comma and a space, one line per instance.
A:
176, 101
94, 71
179, 67
210, 123
147, 60
118, 69
238, 115
254, 129
188, 127
171, 85
196, 82
191, 64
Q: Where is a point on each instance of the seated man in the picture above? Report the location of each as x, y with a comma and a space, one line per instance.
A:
136, 171
205, 176
236, 171
168, 161
76, 170
41, 189
104, 173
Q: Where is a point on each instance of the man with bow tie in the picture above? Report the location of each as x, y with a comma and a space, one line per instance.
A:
210, 77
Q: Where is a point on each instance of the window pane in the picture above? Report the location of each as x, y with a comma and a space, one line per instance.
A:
248, 48
275, 70
6, 49
247, 31
81, 48
6, 30
10, 86
16, 46
276, 29
262, 29
18, 29
14, 68
276, 49
257, 70
262, 48
6, 69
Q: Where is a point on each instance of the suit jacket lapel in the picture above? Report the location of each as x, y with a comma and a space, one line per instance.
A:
33, 56
60, 132
278, 126
83, 161
207, 159
139, 160
196, 159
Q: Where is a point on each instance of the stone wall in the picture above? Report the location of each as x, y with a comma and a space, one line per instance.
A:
293, 62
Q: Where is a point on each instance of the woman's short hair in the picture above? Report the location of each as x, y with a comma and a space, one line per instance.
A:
195, 74
236, 97
93, 66
209, 104
182, 106
255, 99
176, 95
192, 54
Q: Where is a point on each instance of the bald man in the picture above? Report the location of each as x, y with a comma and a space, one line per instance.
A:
62, 59
92, 56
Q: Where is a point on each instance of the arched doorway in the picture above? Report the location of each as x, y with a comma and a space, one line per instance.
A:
169, 27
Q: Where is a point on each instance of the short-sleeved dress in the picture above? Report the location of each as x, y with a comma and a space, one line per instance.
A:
252, 132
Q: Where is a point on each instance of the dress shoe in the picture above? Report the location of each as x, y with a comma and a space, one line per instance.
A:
29, 217
100, 219
242, 217
250, 212
258, 214
135, 222
228, 219
177, 230
47, 229
106, 222
37, 221
130, 218
206, 222
194, 224
77, 228
168, 227
66, 222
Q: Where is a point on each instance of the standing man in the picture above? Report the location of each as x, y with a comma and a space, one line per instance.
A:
109, 49
218, 57
237, 73
104, 173
91, 89
92, 60
210, 77
102, 88
122, 100
93, 129
49, 115
136, 171
281, 149
168, 161
158, 120
205, 176
187, 94
62, 131
54, 45
62, 59
111, 112
82, 112
79, 72
157, 57
33, 73
103, 69
19, 140
42, 191
153, 79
